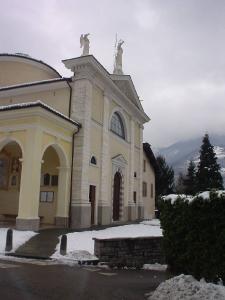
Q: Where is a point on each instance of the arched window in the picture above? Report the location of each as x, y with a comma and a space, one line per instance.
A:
117, 126
46, 179
93, 160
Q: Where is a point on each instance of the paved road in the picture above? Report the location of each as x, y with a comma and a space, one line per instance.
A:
32, 280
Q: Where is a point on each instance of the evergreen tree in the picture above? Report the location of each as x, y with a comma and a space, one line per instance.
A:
164, 177
190, 180
180, 184
208, 174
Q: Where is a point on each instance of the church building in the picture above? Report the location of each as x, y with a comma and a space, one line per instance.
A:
71, 149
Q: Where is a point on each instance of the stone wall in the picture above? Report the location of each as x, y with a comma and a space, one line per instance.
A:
131, 252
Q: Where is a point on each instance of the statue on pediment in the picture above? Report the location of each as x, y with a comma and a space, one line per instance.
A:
85, 43
118, 65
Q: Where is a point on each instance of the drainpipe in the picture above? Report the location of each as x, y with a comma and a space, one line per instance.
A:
70, 100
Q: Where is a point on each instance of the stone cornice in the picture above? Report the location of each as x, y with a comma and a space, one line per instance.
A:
87, 67
38, 111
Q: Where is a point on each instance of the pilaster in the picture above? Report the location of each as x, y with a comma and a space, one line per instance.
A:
131, 205
104, 210
140, 197
81, 111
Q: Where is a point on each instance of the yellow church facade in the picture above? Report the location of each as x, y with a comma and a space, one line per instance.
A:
71, 149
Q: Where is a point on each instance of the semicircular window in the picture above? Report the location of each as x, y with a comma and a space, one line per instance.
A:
117, 126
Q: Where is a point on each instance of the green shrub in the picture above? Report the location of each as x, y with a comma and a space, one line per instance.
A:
194, 236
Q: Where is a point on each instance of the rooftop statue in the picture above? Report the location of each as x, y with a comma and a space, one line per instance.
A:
85, 43
118, 66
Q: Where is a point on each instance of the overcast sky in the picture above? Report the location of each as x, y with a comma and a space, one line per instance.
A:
174, 50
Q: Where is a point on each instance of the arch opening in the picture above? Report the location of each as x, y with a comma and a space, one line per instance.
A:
49, 186
10, 177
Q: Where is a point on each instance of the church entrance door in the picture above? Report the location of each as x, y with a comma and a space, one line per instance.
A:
92, 201
116, 196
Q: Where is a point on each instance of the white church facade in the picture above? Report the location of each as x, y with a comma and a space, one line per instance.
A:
71, 149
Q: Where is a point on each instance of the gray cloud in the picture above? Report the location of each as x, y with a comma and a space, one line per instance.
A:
174, 50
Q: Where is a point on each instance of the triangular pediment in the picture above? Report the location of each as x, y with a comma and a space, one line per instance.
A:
119, 160
125, 84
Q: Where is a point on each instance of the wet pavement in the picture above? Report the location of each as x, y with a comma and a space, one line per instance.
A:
41, 279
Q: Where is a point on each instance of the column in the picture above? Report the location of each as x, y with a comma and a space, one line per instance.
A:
28, 218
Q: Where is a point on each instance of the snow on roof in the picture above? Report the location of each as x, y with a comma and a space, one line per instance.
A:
38, 103
26, 84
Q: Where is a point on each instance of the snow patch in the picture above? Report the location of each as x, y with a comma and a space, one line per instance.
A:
154, 267
219, 152
153, 222
186, 287
19, 238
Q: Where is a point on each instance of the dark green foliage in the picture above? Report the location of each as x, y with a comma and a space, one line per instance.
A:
190, 180
208, 174
194, 236
164, 177
180, 184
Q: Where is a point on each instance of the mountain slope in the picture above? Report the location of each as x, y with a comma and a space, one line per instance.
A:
179, 154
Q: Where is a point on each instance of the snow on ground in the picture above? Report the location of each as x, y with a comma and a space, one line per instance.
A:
79, 242
154, 267
19, 238
153, 222
185, 287
205, 195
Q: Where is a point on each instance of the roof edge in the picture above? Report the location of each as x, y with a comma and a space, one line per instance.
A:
34, 83
38, 104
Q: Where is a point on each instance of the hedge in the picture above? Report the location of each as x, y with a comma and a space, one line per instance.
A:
194, 236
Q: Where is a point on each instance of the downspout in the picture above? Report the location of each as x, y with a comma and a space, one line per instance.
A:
71, 177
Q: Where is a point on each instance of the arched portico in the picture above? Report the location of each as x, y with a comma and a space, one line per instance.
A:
10, 176
34, 129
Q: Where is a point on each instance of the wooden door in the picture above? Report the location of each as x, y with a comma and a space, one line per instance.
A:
92, 192
116, 196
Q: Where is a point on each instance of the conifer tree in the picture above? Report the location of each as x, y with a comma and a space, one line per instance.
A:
164, 177
190, 180
180, 184
208, 174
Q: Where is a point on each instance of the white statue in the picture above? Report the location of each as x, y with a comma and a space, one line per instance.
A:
85, 43
118, 66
